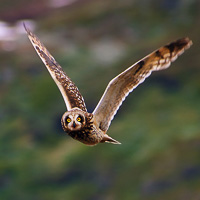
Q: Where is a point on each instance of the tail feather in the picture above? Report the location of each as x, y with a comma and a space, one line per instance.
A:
108, 139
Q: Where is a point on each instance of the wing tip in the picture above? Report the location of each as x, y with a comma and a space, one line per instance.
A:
28, 31
185, 43
26, 28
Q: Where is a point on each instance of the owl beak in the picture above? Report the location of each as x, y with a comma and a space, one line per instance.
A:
74, 124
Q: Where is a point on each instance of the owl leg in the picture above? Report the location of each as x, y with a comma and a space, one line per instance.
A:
108, 139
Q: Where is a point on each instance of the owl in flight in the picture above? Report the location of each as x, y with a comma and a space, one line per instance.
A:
91, 128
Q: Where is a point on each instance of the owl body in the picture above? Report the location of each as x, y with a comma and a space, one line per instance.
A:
91, 128
81, 126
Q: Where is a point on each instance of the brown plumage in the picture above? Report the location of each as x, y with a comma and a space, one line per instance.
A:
91, 128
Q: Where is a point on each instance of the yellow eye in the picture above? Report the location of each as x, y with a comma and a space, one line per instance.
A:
68, 120
78, 119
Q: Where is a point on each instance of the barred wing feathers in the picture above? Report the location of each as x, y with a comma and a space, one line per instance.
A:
68, 89
127, 81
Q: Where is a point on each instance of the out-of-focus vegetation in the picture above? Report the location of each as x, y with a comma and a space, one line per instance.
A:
158, 124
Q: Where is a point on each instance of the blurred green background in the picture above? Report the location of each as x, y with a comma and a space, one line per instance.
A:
94, 40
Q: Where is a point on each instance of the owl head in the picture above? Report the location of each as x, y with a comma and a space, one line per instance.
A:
73, 120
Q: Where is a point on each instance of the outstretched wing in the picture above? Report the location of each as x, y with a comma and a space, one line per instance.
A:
68, 89
124, 83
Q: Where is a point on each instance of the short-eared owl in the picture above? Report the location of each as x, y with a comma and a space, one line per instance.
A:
91, 128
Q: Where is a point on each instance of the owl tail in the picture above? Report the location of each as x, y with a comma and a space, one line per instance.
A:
108, 139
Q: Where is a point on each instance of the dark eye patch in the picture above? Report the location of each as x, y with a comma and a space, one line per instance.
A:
80, 118
67, 120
